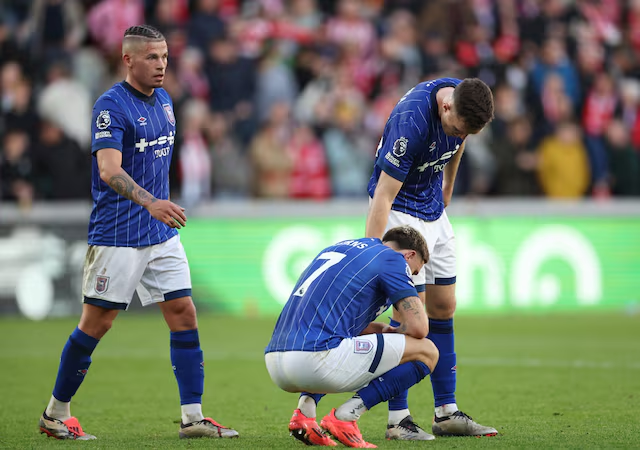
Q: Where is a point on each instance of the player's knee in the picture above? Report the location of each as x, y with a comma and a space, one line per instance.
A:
96, 328
429, 353
180, 314
442, 310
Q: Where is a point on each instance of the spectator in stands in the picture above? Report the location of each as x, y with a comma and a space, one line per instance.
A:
599, 107
62, 170
563, 169
66, 103
554, 60
516, 161
350, 152
310, 174
194, 159
55, 29
108, 20
624, 161
231, 175
16, 168
271, 160
205, 25
20, 113
232, 83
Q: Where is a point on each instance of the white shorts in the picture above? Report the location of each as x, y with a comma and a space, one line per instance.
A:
346, 368
441, 268
112, 274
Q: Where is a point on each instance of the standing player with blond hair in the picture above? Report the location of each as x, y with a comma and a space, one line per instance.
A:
133, 240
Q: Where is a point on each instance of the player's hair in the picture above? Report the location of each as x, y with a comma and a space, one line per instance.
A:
408, 238
144, 31
473, 102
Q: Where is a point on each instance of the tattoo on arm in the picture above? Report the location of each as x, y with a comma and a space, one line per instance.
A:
124, 185
408, 306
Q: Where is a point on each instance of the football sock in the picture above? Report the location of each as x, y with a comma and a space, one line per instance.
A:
191, 412
59, 410
446, 410
74, 363
351, 410
308, 402
398, 405
443, 378
396, 416
188, 367
392, 383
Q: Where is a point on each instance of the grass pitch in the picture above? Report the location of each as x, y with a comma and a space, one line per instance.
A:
557, 381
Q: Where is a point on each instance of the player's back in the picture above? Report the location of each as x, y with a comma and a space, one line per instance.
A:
143, 128
414, 149
343, 290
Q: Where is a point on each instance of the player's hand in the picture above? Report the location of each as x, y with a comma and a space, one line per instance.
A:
388, 329
168, 213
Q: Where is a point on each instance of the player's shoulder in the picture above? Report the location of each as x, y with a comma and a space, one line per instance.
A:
441, 82
113, 98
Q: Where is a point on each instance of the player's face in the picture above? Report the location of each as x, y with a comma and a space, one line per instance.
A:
415, 261
148, 64
452, 124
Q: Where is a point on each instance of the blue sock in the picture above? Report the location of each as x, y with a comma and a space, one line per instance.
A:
399, 402
74, 363
316, 397
443, 378
188, 365
392, 383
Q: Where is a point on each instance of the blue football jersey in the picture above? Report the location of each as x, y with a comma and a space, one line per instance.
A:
342, 291
414, 149
143, 128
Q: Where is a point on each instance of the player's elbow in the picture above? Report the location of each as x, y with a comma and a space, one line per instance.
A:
106, 172
418, 330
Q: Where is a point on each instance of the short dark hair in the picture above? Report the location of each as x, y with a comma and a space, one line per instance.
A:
473, 102
144, 31
408, 238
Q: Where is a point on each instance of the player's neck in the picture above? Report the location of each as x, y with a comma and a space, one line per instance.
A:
138, 87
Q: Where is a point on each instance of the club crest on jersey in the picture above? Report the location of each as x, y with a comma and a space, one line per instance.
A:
362, 346
103, 120
400, 146
169, 112
102, 284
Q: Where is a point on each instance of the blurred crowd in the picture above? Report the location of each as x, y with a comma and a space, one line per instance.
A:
288, 98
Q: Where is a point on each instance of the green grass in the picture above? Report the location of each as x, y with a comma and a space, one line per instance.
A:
561, 381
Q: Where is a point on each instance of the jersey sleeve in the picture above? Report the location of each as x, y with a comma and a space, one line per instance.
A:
401, 143
395, 278
108, 125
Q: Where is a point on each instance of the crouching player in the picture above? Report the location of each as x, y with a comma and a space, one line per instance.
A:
325, 340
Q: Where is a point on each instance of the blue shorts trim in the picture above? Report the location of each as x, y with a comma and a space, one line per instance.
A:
421, 288
106, 304
177, 294
445, 281
378, 356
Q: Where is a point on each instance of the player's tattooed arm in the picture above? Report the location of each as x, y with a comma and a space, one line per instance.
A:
124, 185
413, 318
